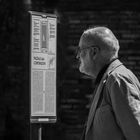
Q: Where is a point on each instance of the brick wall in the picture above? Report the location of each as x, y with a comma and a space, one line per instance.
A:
12, 95
74, 89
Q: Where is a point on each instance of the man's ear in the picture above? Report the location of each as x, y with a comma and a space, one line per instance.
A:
94, 52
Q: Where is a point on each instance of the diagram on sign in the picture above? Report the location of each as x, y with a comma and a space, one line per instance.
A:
51, 62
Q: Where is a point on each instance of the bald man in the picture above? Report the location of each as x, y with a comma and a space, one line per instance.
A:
115, 110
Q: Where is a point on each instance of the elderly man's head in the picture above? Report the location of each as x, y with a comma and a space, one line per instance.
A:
97, 47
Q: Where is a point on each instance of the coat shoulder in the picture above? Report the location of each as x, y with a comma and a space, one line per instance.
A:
122, 74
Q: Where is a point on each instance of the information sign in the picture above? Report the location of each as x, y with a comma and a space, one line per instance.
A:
43, 35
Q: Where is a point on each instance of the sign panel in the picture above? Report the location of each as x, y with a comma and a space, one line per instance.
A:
43, 67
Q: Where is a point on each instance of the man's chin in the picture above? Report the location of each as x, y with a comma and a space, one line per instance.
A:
86, 73
83, 71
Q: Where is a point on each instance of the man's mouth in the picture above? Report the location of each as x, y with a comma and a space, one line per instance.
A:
79, 62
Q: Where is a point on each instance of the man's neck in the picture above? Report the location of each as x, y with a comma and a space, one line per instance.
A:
102, 71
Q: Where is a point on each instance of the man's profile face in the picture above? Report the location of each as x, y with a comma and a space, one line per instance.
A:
84, 56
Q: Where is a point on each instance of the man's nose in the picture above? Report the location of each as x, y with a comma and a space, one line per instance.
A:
77, 56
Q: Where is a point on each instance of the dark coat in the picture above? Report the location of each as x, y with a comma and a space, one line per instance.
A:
118, 116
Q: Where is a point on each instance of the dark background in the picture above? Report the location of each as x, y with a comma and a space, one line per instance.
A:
74, 89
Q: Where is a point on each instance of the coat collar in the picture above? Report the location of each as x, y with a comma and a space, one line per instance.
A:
93, 107
112, 67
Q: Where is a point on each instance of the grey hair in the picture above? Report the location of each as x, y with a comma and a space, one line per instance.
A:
105, 39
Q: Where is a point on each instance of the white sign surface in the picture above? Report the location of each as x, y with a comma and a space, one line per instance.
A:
43, 65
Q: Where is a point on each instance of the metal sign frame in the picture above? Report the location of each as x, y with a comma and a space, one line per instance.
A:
43, 67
